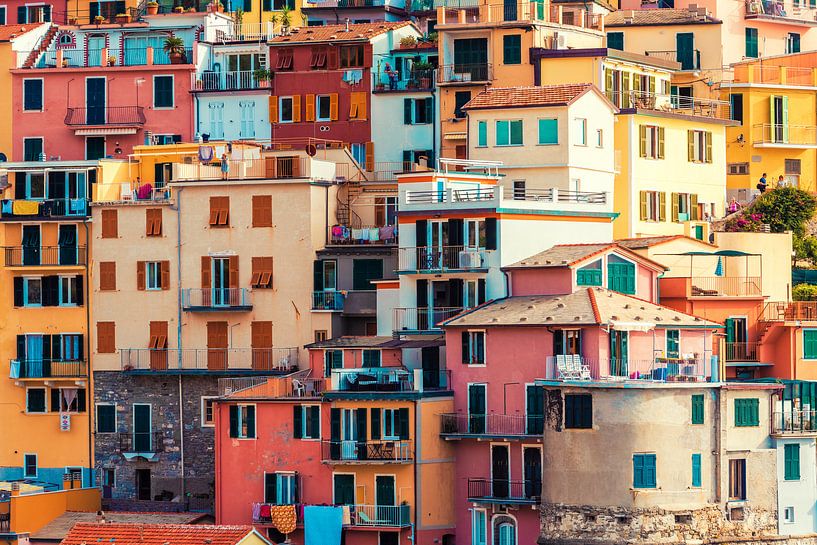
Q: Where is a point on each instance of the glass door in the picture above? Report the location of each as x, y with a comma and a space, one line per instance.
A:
618, 353
221, 282
348, 437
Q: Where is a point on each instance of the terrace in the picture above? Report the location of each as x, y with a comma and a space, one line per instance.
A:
723, 273
503, 491
453, 14
422, 319
111, 58
436, 259
766, 135
458, 425
367, 452
689, 59
26, 369
671, 104
770, 74
683, 367
496, 196
215, 360
789, 13
296, 385
388, 379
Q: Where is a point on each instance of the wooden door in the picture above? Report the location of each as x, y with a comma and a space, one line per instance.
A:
216, 346
262, 346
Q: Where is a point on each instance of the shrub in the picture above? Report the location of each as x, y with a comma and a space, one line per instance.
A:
785, 209
804, 292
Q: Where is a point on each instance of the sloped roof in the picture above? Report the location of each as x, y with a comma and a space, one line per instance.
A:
86, 533
516, 97
586, 306
59, 527
640, 243
334, 33
7, 32
567, 255
646, 17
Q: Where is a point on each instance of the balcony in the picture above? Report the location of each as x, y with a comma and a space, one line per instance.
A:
423, 319
380, 516
344, 4
239, 32
140, 443
726, 286
47, 369
794, 422
431, 5
685, 368
294, 386
44, 256
690, 60
787, 13
119, 116
503, 491
741, 351
218, 360
496, 197
671, 104
774, 75
436, 259
466, 74
17, 209
327, 300
803, 311
464, 13
216, 300
418, 81
766, 135
227, 81
387, 171
388, 379
367, 452
263, 515
457, 425
265, 168
110, 58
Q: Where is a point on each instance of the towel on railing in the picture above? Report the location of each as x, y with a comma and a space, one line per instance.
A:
265, 511
357, 234
6, 208
206, 154
77, 205
284, 518
144, 192
387, 232
347, 515
374, 234
25, 208
256, 511
322, 525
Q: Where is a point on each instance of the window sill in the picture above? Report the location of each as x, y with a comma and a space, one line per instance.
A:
549, 144
164, 108
509, 145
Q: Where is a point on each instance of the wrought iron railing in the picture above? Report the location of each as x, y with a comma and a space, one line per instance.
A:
47, 256
529, 490
216, 298
47, 368
368, 451
105, 115
327, 300
492, 424
209, 359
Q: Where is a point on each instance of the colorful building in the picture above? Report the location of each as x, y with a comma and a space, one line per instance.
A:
335, 12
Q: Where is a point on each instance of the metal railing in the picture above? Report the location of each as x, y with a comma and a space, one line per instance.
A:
47, 368
327, 300
30, 256
660, 369
90, 58
529, 490
795, 135
431, 5
452, 195
465, 73
216, 299
440, 258
700, 107
771, 74
394, 516
728, 286
296, 385
245, 169
794, 421
240, 32
791, 311
418, 80
492, 424
209, 359
148, 441
368, 451
105, 115
227, 81
422, 319
387, 171
777, 9
485, 194
48, 208
741, 351
690, 60
372, 379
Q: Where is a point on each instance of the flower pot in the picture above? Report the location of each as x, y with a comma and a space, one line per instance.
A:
176, 58
123, 19
178, 9
153, 10
73, 21
425, 83
99, 19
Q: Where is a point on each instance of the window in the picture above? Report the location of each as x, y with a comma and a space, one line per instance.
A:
599, 138
306, 422
810, 344
109, 477
736, 107
788, 515
262, 210
281, 488
737, 479
261, 273
578, 411
699, 144
509, 133
207, 412
504, 530
698, 409
418, 111
482, 134
110, 224
32, 292
519, 190
323, 108
615, 40
792, 166
32, 95
473, 347
548, 132
242, 421
751, 43
30, 466
216, 120
364, 271
35, 400
653, 205
684, 207
747, 413
332, 359
461, 98
70, 291
105, 418
357, 105
793, 43
284, 61
2, 15
621, 276
153, 271
791, 462
68, 400
696, 470
741, 169
32, 149
673, 343
651, 141
285, 110
512, 49
247, 119
343, 489
351, 56
163, 91
318, 60
391, 424
371, 358
644, 471
153, 222
219, 211
106, 337
478, 527
320, 335
107, 276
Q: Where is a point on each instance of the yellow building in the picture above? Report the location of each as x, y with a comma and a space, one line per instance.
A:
776, 133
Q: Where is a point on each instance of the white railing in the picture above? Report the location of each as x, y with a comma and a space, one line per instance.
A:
659, 369
241, 32
228, 81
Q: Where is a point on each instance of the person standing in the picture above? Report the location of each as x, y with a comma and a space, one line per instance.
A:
225, 166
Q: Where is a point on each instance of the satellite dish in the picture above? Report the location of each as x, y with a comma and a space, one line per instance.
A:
311, 150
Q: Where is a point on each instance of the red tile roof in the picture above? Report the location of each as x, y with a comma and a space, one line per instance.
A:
334, 33
515, 97
88, 533
7, 32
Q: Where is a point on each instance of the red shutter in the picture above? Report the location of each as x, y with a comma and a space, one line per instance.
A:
165, 275
140, 275
205, 272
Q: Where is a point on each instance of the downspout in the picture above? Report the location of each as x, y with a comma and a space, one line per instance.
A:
417, 483
181, 442
507, 285
718, 443
178, 209
90, 389
434, 130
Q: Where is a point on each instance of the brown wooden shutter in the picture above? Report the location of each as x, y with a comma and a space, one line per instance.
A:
140, 275
233, 271
219, 211
110, 224
255, 281
205, 272
370, 156
261, 334
296, 167
153, 222
165, 275
296, 109
333, 106
273, 109
310, 108
106, 337
332, 58
262, 211
261, 272
158, 345
107, 275
216, 345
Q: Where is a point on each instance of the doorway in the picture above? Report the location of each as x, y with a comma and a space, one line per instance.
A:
532, 471
430, 357
94, 100
618, 353
31, 244
142, 436
500, 471
217, 345
476, 408
385, 499
142, 484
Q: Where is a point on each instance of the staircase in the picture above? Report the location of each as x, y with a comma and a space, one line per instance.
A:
43, 46
347, 195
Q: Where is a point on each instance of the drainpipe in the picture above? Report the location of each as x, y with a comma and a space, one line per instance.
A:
718, 391
181, 441
90, 390
178, 209
417, 483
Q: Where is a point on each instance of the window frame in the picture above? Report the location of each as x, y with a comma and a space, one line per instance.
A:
45, 399
788, 460
645, 457
204, 422
515, 49
155, 283
393, 422
581, 131
42, 95
26, 474
473, 352
71, 281
318, 100
172, 91
747, 412
739, 493
115, 417
281, 100
698, 409
810, 332
26, 281
509, 123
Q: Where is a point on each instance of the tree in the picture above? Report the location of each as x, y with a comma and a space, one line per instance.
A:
785, 209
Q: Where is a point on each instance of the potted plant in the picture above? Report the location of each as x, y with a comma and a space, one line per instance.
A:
285, 18
152, 8
111, 60
261, 75
99, 19
422, 71
178, 9
73, 21
122, 18
174, 47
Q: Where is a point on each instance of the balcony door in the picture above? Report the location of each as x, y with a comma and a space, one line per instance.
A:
385, 499
94, 147
34, 356
217, 346
31, 245
220, 292
684, 50
779, 116
95, 100
68, 244
476, 408
532, 470
348, 434
471, 58
95, 46
430, 357
142, 440
500, 471
618, 353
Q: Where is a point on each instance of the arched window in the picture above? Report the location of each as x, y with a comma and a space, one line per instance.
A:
504, 530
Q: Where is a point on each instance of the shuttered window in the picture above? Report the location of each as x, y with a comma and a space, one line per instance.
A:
482, 134
107, 275
261, 273
110, 224
357, 105
644, 471
32, 95
106, 418
548, 132
242, 421
578, 411
791, 462
219, 211
751, 43
306, 422
105, 337
371, 358
810, 344
262, 211
365, 270
153, 222
698, 409
509, 133
162, 91
747, 413
696, 470
512, 49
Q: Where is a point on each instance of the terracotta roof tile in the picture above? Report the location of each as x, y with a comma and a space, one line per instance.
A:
87, 533
562, 255
546, 95
645, 17
332, 33
7, 32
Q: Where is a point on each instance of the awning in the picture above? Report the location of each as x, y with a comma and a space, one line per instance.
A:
455, 136
105, 131
632, 326
147, 456
748, 364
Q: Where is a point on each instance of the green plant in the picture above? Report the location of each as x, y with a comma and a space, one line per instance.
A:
153, 4
785, 209
173, 45
238, 16
432, 37
418, 66
261, 74
804, 292
285, 17
408, 41
744, 222
805, 249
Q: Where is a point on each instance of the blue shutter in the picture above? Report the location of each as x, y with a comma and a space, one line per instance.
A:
791, 456
696, 470
482, 131
502, 133
548, 131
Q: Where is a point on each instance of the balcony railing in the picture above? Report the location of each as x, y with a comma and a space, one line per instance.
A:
44, 256
726, 286
465, 73
494, 196
392, 516
47, 368
499, 425
456, 12
777, 75
788, 312
342, 4
741, 351
504, 491
441, 258
422, 319
111, 58
227, 81
209, 359
385, 451
418, 80
676, 104
148, 441
690, 60
793, 136
47, 208
240, 32
255, 169
327, 300
210, 299
661, 369
795, 422
387, 171
785, 12
430, 5
389, 379
105, 115
296, 385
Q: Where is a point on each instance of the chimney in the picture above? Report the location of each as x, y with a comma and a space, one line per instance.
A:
347, 24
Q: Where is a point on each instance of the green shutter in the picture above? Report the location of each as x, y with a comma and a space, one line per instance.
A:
588, 277
297, 421
791, 456
403, 423
747, 413
751, 43
482, 133
512, 49
644, 471
502, 133
548, 131
270, 488
314, 422
615, 40
365, 270
408, 110
696, 470
698, 409
250, 421
516, 132
376, 425
785, 121
810, 344
233, 420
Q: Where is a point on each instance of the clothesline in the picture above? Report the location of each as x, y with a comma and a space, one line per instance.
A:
342, 233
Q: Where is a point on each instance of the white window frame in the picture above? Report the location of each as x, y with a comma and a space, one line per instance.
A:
318, 100
5, 14
600, 138
153, 282
173, 94
69, 279
203, 402
281, 109
788, 515
115, 417
26, 280
393, 419
42, 92
651, 151
580, 124
36, 474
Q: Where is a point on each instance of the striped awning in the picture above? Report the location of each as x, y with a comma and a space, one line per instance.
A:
455, 136
103, 131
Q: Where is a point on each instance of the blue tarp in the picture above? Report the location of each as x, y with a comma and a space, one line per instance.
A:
322, 525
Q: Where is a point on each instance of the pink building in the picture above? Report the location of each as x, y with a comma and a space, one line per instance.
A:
559, 323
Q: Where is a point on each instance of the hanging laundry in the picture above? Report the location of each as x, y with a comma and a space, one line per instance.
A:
374, 234
284, 518
26, 208
256, 511
206, 154
387, 232
265, 512
322, 525
6, 207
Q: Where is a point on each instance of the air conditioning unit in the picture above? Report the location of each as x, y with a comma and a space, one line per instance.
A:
470, 259
558, 42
